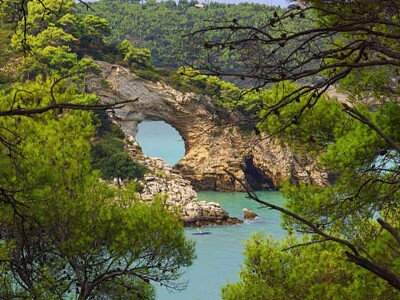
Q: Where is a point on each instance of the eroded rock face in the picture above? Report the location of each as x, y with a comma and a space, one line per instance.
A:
213, 143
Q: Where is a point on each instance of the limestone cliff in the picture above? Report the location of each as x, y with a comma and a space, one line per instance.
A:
213, 142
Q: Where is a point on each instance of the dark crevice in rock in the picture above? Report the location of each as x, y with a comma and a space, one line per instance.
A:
332, 177
255, 178
205, 184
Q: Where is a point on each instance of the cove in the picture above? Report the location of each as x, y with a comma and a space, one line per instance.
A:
159, 139
220, 254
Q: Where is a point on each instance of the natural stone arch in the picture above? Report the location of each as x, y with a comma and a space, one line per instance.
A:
211, 149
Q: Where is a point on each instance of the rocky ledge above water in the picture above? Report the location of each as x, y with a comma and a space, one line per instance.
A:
214, 142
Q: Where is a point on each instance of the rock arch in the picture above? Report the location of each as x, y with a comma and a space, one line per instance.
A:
211, 148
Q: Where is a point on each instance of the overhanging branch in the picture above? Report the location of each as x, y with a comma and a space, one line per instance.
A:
28, 112
353, 256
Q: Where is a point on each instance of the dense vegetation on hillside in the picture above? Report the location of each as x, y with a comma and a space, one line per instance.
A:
356, 218
162, 26
64, 233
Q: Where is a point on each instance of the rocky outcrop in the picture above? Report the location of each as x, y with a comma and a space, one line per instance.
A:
206, 213
248, 214
213, 143
163, 180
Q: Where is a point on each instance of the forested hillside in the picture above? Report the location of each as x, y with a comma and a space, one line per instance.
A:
163, 27
64, 233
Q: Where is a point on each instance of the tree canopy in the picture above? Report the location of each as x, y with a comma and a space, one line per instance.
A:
349, 53
65, 233
163, 26
324, 78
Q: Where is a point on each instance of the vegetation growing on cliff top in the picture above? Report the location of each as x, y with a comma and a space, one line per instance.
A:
356, 141
64, 233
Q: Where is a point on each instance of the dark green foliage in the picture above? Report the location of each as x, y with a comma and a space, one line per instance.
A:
127, 289
278, 270
64, 227
5, 39
162, 26
64, 233
113, 162
148, 75
120, 165
107, 147
105, 126
349, 226
108, 154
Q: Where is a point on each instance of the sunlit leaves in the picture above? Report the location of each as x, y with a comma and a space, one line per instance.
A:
75, 226
189, 79
63, 231
137, 58
281, 270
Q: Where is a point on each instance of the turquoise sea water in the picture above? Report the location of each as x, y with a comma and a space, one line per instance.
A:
159, 139
219, 254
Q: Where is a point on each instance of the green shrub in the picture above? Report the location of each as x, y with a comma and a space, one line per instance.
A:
112, 161
164, 72
108, 155
148, 75
105, 127
104, 83
160, 174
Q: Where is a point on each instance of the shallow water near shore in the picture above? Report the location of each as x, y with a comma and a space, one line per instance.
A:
220, 254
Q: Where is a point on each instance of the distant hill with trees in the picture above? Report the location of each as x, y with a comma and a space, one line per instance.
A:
163, 27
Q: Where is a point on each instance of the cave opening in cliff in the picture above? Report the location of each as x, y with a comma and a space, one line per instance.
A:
160, 139
255, 178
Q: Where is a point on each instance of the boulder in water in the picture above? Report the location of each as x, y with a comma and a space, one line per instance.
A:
248, 214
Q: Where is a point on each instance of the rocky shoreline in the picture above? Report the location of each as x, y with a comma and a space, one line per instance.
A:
162, 179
